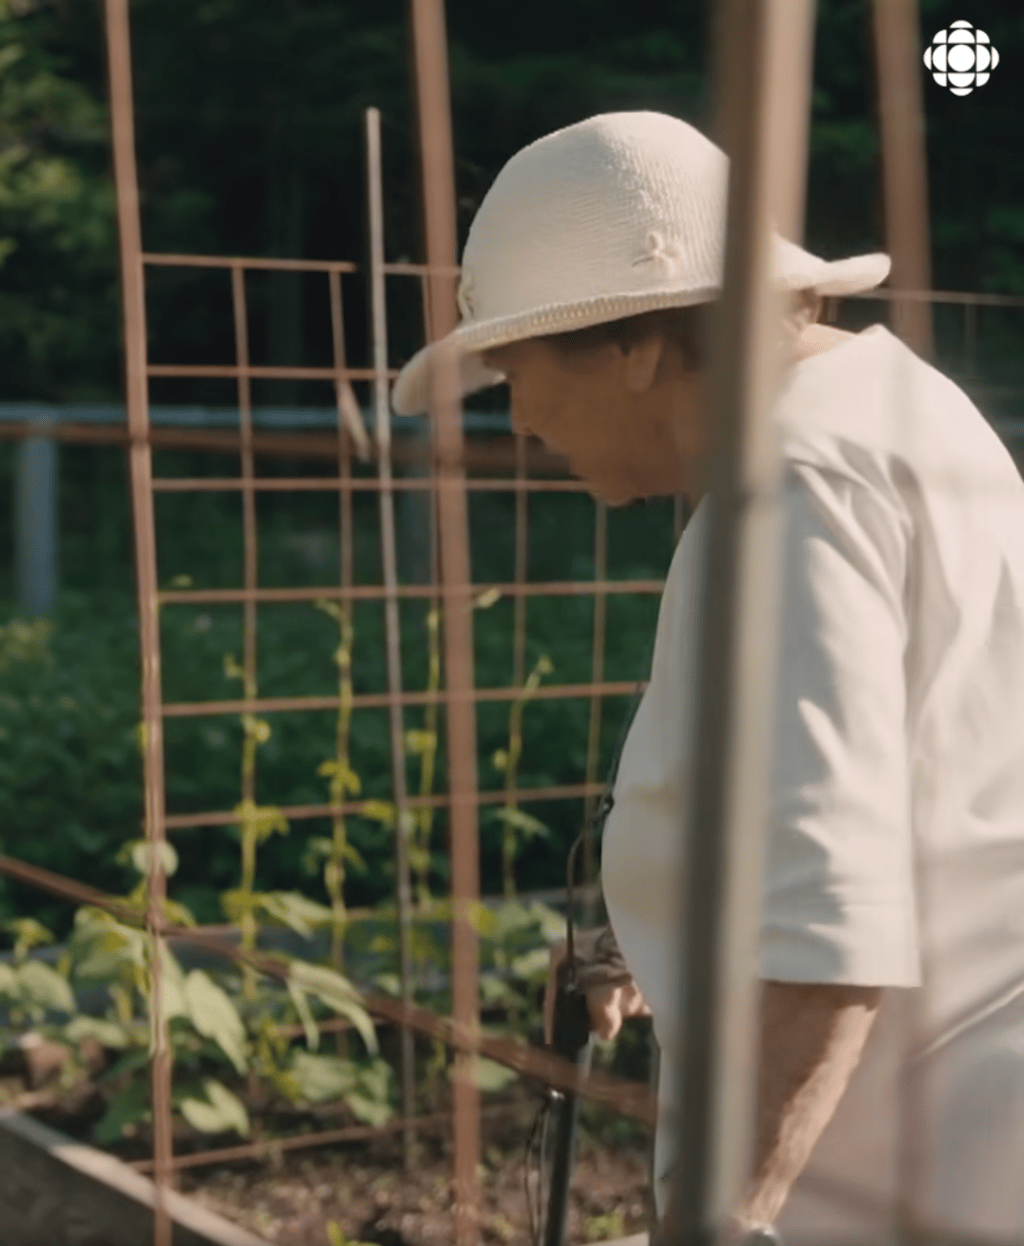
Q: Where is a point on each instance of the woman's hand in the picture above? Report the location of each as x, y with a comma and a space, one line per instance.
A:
609, 1002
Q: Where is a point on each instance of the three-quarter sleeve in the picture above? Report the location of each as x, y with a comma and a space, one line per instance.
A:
838, 891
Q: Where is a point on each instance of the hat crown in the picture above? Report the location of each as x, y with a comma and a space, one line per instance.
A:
620, 203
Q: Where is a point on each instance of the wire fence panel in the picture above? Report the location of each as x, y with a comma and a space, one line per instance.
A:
450, 473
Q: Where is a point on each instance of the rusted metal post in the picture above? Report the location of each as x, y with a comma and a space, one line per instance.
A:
904, 166
134, 310
434, 109
392, 625
762, 62
250, 556
596, 701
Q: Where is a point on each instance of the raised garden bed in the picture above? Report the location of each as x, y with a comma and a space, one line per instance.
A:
54, 1190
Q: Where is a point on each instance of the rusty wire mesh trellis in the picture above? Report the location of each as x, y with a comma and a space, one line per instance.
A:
446, 486
450, 483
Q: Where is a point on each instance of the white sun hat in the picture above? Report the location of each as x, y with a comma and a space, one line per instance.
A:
616, 215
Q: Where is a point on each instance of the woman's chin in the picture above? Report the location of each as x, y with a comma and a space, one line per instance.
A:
610, 497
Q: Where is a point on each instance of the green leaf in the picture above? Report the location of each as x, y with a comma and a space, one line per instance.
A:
215, 1016
495, 990
305, 1013
488, 1075
419, 742
295, 910
342, 776
28, 933
220, 1112
172, 985
549, 920
382, 811
486, 599
43, 986
370, 1100
260, 821
337, 993
530, 826
323, 1078
8, 981
391, 983
510, 917
107, 1033
532, 966
137, 851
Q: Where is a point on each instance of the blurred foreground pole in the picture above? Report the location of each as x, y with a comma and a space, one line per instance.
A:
35, 522
137, 394
435, 128
763, 67
904, 167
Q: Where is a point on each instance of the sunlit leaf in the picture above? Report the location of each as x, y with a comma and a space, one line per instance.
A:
379, 810
137, 851
305, 1013
530, 826
220, 1112
107, 1033
338, 994
419, 742
42, 985
486, 599
261, 821
172, 985
28, 933
487, 1075
294, 910
215, 1016
322, 1078
532, 966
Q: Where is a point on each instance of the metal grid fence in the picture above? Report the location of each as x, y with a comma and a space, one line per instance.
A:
450, 591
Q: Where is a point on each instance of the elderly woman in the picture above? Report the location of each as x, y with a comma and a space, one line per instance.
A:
892, 923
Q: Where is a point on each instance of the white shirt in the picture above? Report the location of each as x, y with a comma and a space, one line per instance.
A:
895, 845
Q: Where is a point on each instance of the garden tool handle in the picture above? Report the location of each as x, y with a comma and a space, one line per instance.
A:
571, 1041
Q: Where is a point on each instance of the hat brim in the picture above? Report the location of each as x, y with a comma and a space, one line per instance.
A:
797, 270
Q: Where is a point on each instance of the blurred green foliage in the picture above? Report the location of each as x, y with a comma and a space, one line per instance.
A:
249, 135
69, 702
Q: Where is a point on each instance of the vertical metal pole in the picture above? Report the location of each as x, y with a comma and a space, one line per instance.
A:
904, 166
392, 626
522, 557
434, 109
134, 307
346, 437
596, 702
763, 80
248, 465
35, 521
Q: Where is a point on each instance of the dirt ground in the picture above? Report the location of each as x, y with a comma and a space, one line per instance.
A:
365, 1192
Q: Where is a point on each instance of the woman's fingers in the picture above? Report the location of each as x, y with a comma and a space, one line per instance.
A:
608, 1006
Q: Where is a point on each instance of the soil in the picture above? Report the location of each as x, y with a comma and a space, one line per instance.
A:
367, 1194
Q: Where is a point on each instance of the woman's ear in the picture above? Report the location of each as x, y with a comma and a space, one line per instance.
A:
642, 360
